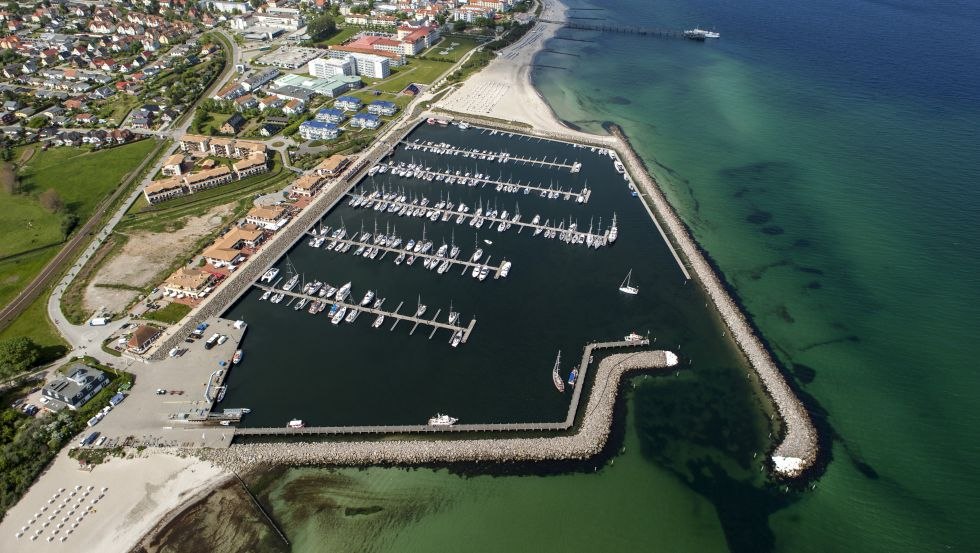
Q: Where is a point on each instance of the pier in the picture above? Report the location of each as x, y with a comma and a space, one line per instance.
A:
581, 24
496, 270
575, 236
500, 185
569, 422
436, 325
503, 157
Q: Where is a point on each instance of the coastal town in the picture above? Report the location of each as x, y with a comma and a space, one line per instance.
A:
241, 133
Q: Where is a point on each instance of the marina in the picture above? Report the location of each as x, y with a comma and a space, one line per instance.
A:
353, 307
432, 261
500, 156
497, 220
474, 179
358, 376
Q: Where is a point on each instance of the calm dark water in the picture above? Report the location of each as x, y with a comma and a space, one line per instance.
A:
824, 153
557, 297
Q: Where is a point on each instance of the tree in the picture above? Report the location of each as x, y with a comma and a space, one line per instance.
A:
321, 26
483, 22
51, 200
37, 122
17, 355
68, 224
459, 26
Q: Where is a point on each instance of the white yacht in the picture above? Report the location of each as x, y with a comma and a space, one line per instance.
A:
626, 287
442, 420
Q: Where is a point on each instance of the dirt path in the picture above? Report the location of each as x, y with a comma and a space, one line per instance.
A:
141, 260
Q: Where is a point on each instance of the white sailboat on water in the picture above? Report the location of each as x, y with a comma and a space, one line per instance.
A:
626, 287
555, 377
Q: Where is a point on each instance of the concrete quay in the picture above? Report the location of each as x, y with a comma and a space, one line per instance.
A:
588, 441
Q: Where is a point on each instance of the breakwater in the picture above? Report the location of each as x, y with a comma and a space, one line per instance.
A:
587, 442
797, 451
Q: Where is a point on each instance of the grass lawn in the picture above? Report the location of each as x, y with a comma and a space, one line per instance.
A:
117, 107
82, 178
416, 71
341, 36
453, 51
15, 273
170, 313
34, 324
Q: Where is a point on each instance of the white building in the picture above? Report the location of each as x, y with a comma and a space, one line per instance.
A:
329, 67
370, 65
280, 18
230, 7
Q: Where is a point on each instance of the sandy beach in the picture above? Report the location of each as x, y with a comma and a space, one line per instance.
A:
503, 90
114, 504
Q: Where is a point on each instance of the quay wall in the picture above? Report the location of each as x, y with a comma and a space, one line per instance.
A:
797, 451
587, 442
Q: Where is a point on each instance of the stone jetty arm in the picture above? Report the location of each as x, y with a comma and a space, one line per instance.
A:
587, 442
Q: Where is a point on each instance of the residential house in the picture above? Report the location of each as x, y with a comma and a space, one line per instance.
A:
366, 121
141, 338
318, 130
268, 217
76, 388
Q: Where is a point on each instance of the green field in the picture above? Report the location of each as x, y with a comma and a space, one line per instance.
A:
34, 324
416, 71
453, 52
341, 36
82, 178
170, 313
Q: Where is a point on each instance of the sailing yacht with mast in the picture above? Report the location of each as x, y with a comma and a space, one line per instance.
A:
626, 287
555, 377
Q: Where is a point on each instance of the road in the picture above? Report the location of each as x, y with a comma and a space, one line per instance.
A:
89, 338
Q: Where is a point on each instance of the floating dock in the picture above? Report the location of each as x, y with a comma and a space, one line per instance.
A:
495, 270
501, 185
502, 157
436, 325
571, 237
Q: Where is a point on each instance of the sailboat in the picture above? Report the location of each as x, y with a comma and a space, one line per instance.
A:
628, 288
555, 377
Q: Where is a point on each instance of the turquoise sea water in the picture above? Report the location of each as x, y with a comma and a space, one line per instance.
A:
825, 155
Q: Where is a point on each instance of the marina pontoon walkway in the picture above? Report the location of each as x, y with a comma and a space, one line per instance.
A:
581, 236
369, 244
436, 325
504, 157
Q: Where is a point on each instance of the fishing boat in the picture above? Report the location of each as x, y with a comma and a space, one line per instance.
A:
295, 423
237, 358
442, 420
628, 288
555, 377
632, 337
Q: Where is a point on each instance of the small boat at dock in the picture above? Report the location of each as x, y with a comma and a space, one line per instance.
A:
237, 358
555, 377
295, 423
442, 420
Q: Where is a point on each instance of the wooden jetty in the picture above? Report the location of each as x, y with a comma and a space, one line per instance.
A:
603, 237
503, 157
466, 330
465, 263
581, 197
566, 424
